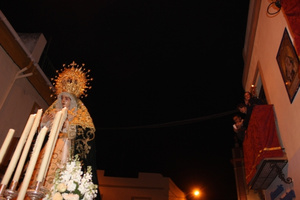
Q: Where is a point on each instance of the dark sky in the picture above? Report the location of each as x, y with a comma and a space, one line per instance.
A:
166, 76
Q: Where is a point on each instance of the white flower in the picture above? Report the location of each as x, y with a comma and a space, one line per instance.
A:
61, 187
71, 186
71, 183
70, 196
57, 196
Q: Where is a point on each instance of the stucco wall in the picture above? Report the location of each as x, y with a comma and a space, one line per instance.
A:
266, 44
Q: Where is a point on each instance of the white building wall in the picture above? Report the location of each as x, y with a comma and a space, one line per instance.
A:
266, 44
147, 186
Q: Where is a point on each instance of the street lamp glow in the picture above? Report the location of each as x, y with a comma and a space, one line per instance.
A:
196, 193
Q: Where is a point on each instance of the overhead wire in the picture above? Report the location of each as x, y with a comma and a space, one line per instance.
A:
173, 123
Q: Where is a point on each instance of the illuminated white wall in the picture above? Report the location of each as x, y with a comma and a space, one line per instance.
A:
263, 58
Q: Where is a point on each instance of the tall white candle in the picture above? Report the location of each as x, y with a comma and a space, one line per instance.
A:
32, 162
13, 162
50, 143
37, 120
6, 143
61, 123
21, 145
63, 118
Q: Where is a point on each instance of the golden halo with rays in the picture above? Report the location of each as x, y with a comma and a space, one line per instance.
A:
72, 79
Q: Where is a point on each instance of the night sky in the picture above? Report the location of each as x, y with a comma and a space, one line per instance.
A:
167, 77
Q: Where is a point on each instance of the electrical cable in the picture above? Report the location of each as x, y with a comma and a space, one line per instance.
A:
174, 123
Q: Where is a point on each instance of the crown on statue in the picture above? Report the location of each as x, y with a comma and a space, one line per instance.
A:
73, 79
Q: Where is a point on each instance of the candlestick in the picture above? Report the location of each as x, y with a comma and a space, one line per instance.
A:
11, 193
16, 155
32, 162
37, 192
6, 143
50, 143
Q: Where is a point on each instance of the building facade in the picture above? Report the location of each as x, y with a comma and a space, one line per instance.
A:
271, 57
147, 186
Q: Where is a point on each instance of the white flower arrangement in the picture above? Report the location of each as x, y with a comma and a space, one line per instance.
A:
71, 183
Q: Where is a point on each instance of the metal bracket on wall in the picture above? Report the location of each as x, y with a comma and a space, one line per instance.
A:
17, 76
280, 174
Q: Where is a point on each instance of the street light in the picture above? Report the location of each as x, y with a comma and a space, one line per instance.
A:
195, 194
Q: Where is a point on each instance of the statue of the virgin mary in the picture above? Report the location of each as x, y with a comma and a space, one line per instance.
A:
78, 132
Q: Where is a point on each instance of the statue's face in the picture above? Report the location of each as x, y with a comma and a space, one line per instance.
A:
65, 101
